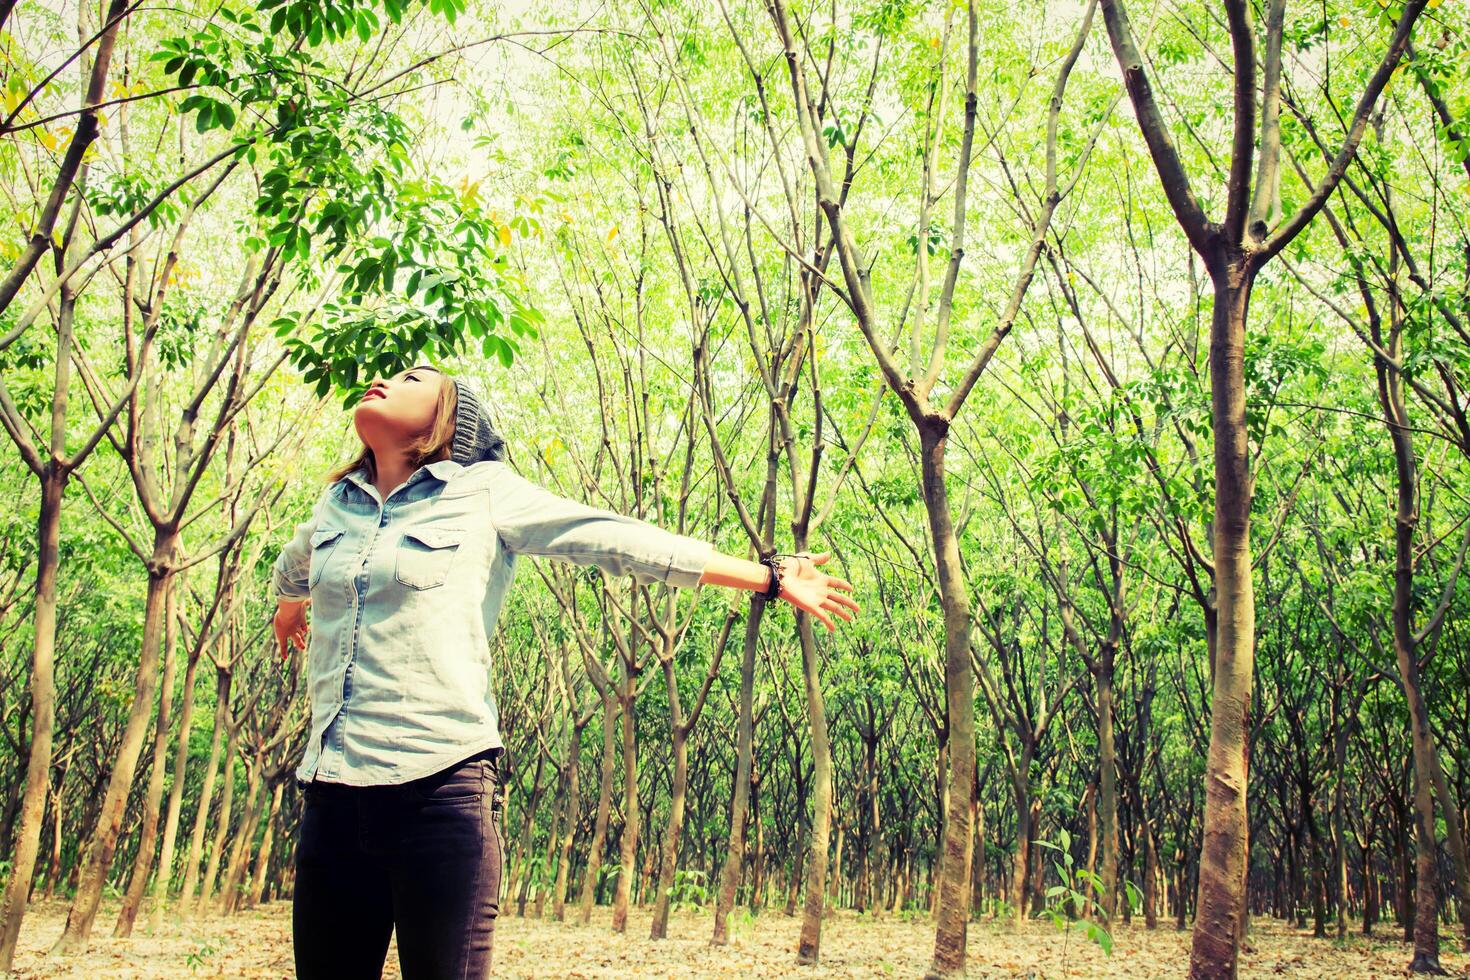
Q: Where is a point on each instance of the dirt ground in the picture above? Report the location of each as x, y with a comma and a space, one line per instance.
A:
258, 944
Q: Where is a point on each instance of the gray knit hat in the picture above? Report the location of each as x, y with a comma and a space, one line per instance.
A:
475, 440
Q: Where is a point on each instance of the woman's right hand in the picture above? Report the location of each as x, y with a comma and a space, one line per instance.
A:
290, 623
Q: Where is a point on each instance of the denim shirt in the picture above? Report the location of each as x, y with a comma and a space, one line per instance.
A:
404, 597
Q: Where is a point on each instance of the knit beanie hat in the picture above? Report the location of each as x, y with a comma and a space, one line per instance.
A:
475, 440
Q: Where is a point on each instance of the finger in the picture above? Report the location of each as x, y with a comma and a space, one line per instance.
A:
842, 614
821, 558
831, 604
834, 582
845, 600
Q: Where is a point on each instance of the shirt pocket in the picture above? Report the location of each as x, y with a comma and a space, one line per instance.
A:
323, 542
425, 555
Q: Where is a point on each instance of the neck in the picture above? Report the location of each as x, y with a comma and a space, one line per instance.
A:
390, 469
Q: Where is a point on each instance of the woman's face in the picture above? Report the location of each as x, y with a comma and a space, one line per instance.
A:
395, 411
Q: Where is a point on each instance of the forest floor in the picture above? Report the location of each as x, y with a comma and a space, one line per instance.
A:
258, 944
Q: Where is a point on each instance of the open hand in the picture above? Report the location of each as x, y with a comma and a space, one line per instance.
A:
812, 590
291, 627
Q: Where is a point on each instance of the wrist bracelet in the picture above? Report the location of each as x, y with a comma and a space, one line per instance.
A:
773, 591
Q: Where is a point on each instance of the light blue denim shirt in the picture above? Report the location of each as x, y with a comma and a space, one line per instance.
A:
405, 594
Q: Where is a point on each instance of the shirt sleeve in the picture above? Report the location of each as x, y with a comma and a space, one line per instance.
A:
533, 521
293, 565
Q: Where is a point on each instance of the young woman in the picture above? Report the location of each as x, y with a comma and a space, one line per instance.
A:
405, 563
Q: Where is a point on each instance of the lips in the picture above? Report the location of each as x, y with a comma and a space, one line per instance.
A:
373, 393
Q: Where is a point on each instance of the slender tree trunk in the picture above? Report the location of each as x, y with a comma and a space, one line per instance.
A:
553, 841
569, 836
793, 884
229, 898
53, 871
670, 857
1371, 894
1426, 899
1150, 879
808, 950
629, 851
99, 850
604, 804
263, 856
1020, 874
1455, 838
147, 842
757, 853
43, 716
835, 883
1339, 820
520, 860
1107, 810
162, 880
222, 828
977, 866
953, 913
744, 739
206, 794
1220, 917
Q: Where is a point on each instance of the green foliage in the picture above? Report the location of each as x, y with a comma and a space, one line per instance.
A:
1072, 893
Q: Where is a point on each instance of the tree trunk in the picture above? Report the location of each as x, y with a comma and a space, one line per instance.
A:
808, 950
229, 898
569, 836
604, 804
1220, 916
629, 851
1151, 878
206, 793
147, 842
263, 856
222, 828
53, 871
793, 883
757, 853
953, 912
163, 879
1020, 878
519, 860
977, 865
99, 850
744, 737
1455, 838
553, 840
1107, 810
670, 857
1426, 899
43, 716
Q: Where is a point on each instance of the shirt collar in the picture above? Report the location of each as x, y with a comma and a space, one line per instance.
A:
440, 470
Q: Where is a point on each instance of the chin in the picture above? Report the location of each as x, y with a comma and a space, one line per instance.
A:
368, 420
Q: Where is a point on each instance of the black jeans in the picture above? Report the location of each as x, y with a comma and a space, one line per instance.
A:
423, 857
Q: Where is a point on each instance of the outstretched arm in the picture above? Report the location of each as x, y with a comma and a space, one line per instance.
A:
532, 520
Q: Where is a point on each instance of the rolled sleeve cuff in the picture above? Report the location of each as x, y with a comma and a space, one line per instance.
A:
686, 563
285, 588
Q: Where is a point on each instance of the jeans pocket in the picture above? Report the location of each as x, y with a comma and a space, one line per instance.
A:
425, 556
457, 784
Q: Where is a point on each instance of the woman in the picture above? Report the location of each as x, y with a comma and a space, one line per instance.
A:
405, 562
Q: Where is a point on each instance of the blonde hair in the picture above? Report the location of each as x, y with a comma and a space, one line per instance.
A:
435, 444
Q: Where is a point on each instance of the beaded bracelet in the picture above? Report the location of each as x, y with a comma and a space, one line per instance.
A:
773, 562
